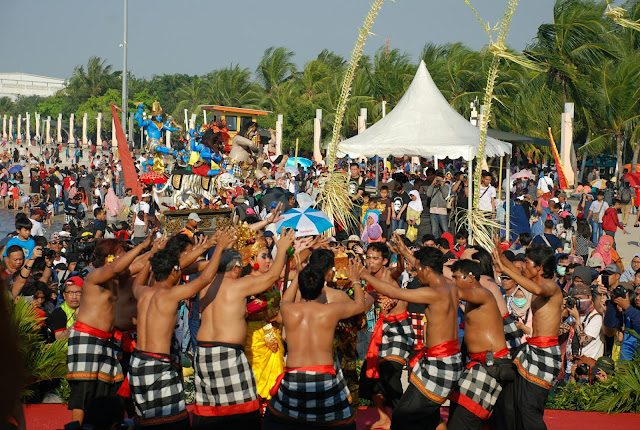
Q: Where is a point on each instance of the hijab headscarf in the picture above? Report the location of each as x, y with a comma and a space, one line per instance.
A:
603, 255
519, 312
629, 274
373, 232
112, 203
416, 204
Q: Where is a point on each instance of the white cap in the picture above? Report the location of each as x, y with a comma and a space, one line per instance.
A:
520, 197
145, 195
194, 216
555, 200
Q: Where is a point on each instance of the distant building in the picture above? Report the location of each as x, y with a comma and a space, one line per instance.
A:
13, 85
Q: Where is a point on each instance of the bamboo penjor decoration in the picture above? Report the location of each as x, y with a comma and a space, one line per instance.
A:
482, 227
335, 201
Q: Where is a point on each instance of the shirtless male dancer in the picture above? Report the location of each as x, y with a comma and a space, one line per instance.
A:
310, 393
392, 341
156, 384
435, 371
93, 369
490, 364
538, 361
225, 388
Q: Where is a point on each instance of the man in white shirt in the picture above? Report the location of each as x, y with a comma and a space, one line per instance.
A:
545, 184
596, 213
36, 222
141, 220
487, 202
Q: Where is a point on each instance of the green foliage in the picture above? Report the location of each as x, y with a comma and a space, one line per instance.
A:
618, 394
42, 361
588, 60
94, 105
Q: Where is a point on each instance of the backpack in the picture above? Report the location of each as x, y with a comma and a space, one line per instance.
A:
626, 195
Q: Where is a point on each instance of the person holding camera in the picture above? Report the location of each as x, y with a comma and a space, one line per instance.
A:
584, 324
438, 192
623, 312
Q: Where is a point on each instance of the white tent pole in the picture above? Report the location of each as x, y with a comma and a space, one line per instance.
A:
508, 198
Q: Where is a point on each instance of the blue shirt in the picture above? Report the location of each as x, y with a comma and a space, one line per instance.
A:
26, 245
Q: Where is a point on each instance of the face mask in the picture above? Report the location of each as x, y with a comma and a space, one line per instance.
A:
561, 270
519, 301
585, 305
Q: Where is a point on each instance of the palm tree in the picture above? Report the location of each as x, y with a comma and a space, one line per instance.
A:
390, 76
573, 45
275, 68
616, 107
191, 96
93, 81
232, 86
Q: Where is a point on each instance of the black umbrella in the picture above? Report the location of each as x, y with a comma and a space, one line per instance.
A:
275, 194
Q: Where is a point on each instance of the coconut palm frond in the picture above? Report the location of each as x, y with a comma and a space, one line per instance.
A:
335, 201
42, 361
483, 228
501, 50
345, 92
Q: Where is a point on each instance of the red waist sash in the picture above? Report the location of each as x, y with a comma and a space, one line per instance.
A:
481, 357
543, 341
317, 369
505, 316
128, 344
441, 350
84, 328
376, 341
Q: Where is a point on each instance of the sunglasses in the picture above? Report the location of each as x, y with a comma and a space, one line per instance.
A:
55, 242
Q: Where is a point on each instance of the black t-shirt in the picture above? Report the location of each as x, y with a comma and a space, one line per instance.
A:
399, 200
355, 185
415, 308
36, 184
57, 321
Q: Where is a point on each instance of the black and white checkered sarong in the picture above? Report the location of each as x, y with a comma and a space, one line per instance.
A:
478, 390
224, 382
316, 394
156, 389
397, 340
91, 356
436, 376
512, 334
539, 364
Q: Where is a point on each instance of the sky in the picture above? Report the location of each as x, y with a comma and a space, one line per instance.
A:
194, 37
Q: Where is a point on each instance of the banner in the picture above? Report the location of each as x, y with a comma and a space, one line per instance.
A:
559, 167
128, 166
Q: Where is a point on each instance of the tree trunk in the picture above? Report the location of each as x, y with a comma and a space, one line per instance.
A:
634, 160
619, 144
583, 175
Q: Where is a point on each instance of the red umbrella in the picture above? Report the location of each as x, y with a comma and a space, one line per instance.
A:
153, 178
633, 178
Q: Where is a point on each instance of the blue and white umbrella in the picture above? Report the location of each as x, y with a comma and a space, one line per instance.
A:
306, 222
304, 162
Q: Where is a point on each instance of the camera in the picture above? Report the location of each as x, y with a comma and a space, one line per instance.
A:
619, 292
582, 369
49, 253
572, 302
79, 250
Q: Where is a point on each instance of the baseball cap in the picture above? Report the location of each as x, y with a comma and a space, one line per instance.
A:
607, 365
75, 280
194, 216
611, 269
564, 214
145, 195
555, 200
268, 233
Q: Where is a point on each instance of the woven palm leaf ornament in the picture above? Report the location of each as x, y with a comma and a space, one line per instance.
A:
481, 226
334, 200
618, 14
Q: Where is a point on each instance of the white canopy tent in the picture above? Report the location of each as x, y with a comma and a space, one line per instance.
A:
422, 124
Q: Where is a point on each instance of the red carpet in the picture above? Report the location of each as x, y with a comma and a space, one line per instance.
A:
51, 417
